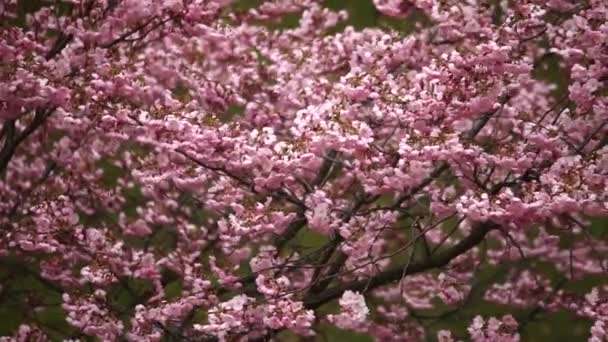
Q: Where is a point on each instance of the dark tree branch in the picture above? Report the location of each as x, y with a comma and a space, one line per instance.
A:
441, 259
300, 221
12, 140
62, 41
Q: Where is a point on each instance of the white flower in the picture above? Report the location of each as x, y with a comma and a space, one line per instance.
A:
353, 303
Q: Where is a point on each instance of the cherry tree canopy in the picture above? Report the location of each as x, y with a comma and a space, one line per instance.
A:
194, 170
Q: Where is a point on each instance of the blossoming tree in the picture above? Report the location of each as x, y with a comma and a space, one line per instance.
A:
195, 170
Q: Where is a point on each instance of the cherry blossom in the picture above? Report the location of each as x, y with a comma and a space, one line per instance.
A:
221, 170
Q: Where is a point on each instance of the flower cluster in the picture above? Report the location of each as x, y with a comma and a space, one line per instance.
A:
503, 330
354, 311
